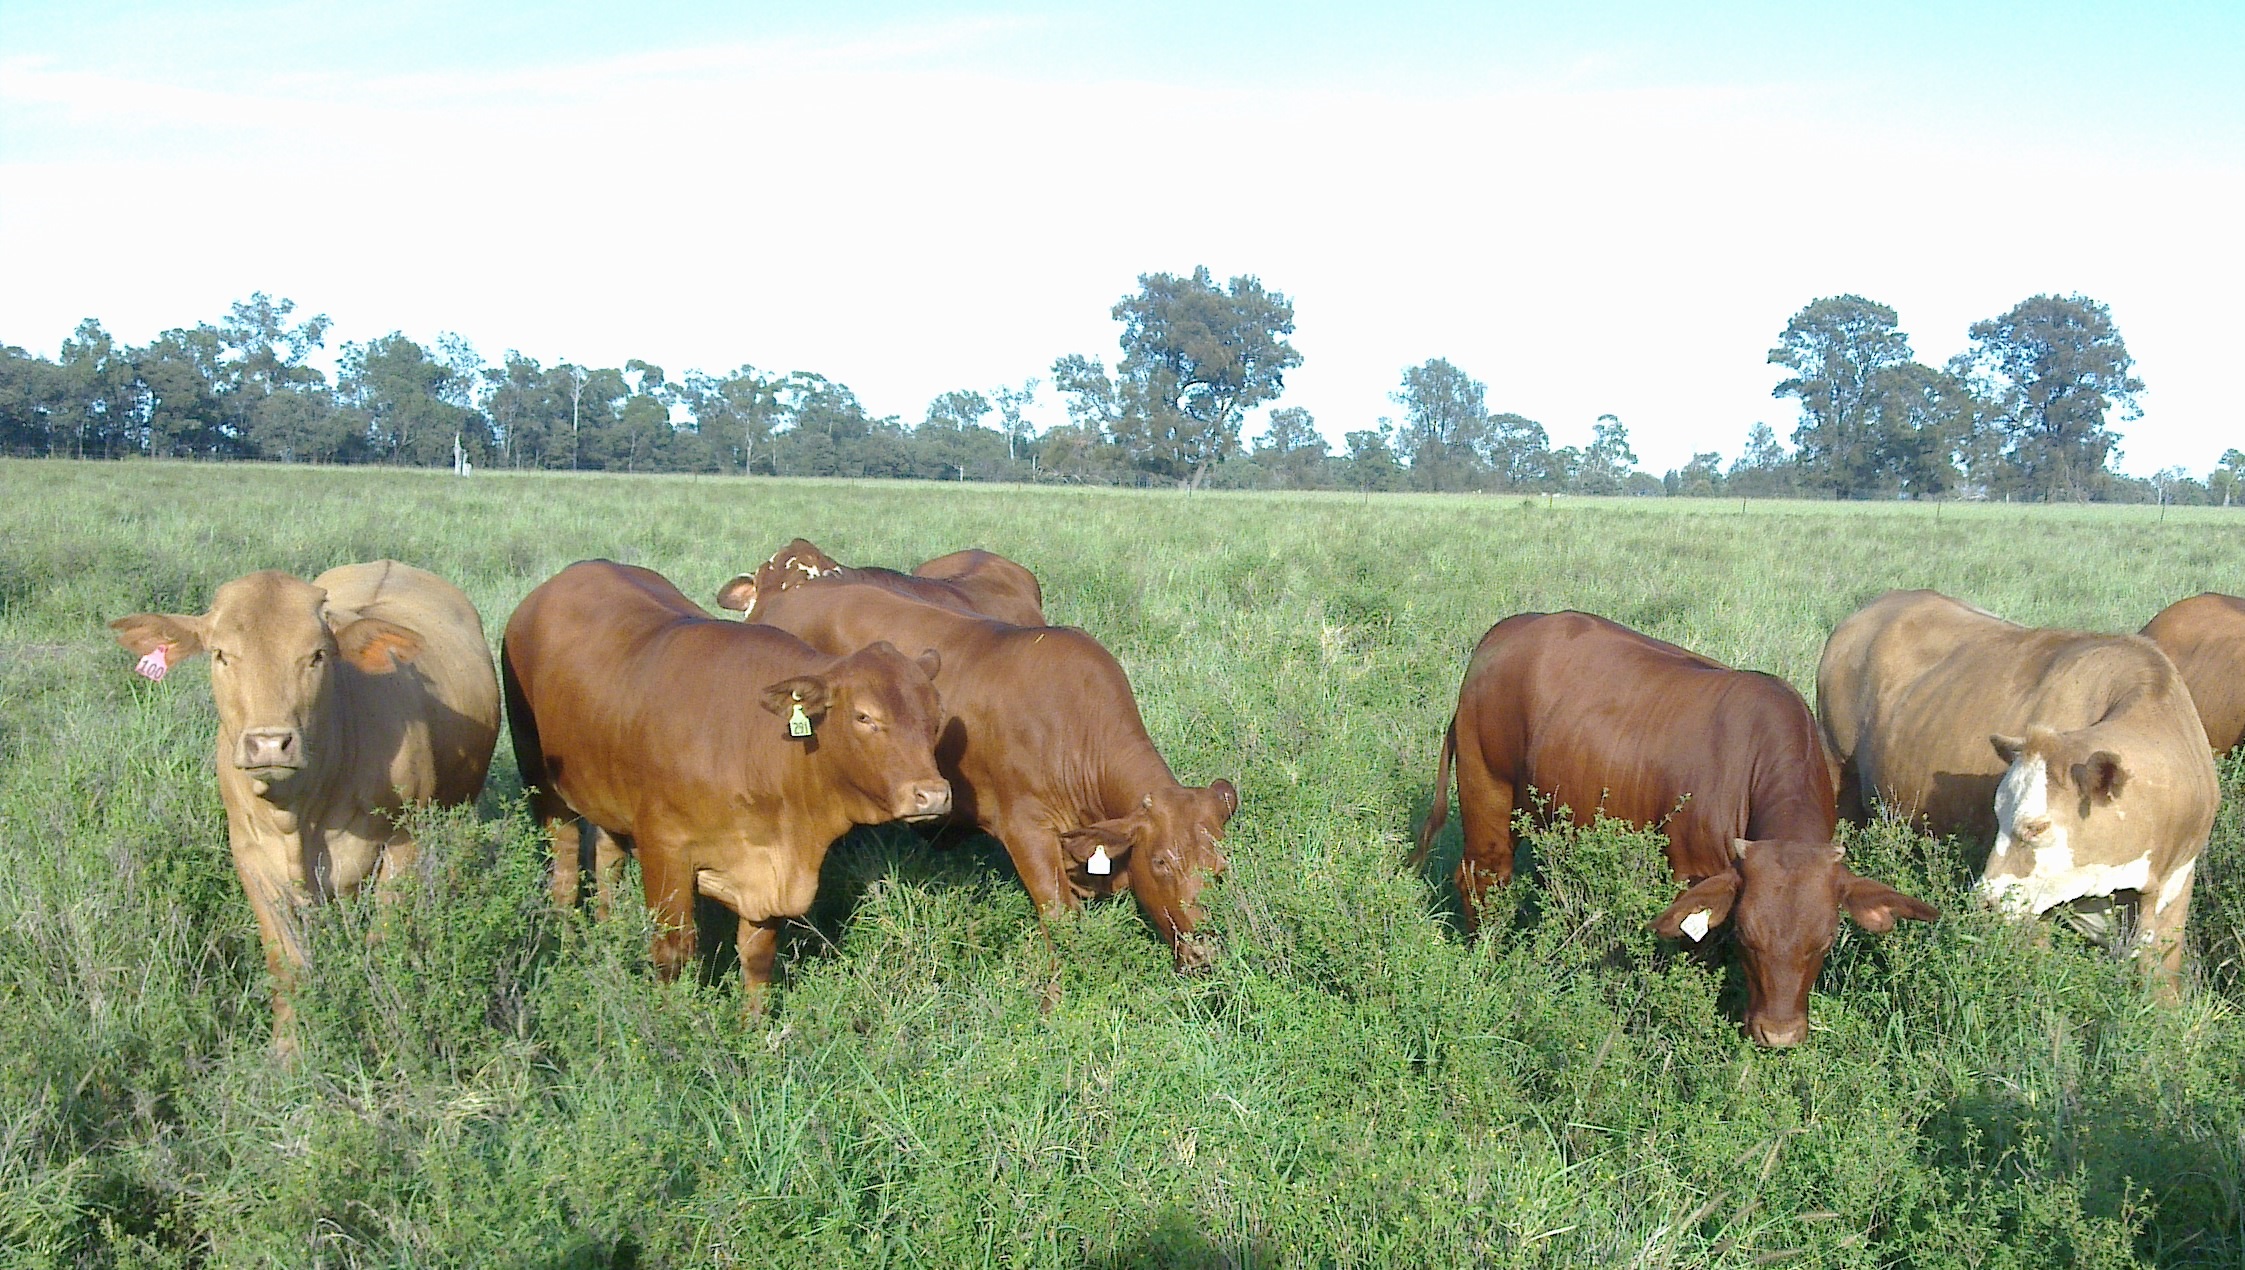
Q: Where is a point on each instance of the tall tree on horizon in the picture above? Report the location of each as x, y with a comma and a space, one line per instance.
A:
1445, 431
1196, 358
2052, 368
1837, 347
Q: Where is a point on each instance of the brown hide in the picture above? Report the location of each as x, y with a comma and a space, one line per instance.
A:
2205, 637
1592, 717
1045, 750
2077, 757
978, 582
669, 728
340, 701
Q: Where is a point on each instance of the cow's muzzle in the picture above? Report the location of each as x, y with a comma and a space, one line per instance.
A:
269, 754
925, 801
1778, 1034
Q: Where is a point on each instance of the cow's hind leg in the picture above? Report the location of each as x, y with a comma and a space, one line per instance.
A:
1485, 810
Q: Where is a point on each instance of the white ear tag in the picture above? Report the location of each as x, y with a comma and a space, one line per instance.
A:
1696, 925
798, 723
1099, 865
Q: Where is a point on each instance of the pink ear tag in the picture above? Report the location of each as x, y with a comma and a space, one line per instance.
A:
154, 666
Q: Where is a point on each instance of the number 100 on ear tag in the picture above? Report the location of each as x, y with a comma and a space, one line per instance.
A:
798, 723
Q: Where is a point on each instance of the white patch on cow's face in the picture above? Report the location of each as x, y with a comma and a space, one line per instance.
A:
2057, 879
2023, 809
808, 569
1695, 925
2172, 889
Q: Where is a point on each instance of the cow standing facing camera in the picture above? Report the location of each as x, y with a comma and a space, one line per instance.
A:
340, 701
727, 756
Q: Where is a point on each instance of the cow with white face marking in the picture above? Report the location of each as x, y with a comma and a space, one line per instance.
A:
2078, 756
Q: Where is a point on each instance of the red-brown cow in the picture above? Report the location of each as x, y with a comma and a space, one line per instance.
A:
978, 582
1045, 750
1595, 716
729, 756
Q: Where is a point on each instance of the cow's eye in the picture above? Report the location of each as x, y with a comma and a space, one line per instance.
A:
866, 720
218, 658
318, 655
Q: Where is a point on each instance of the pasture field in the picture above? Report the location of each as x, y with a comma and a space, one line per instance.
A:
493, 1083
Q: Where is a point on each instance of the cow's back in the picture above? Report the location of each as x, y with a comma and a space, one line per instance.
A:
1912, 687
993, 585
448, 686
2205, 637
1595, 716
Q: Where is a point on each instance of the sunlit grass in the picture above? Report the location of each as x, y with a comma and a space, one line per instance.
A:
1351, 1084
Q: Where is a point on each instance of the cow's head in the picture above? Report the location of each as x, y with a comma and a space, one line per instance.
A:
873, 718
791, 566
1782, 901
2061, 823
275, 647
1164, 850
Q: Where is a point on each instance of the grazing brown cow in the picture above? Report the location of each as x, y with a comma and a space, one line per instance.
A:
1597, 717
979, 582
340, 701
2205, 637
1045, 750
729, 756
2079, 756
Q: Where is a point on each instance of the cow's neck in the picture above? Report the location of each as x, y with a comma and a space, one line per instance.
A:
1128, 768
1790, 805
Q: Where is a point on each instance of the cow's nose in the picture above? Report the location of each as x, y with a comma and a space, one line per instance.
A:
1778, 1034
929, 799
1194, 952
269, 747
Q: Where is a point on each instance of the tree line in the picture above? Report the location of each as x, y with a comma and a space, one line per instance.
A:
2025, 412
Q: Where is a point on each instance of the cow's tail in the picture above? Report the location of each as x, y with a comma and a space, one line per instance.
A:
1439, 814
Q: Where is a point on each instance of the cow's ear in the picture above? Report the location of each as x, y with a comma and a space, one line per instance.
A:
1092, 844
377, 647
739, 595
179, 635
2101, 776
2008, 748
1875, 905
1227, 796
929, 661
1699, 909
807, 691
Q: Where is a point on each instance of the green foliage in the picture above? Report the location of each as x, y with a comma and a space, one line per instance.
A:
2054, 367
484, 1080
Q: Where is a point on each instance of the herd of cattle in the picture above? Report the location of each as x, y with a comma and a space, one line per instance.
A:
726, 756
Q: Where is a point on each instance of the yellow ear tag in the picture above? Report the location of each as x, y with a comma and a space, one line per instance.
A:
1098, 865
798, 723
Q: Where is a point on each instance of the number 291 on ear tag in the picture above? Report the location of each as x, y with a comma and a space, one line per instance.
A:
798, 723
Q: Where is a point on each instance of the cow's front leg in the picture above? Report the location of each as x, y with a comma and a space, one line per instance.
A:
273, 897
760, 946
2160, 921
669, 885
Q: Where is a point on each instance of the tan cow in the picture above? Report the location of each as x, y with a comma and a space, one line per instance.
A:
2078, 756
340, 701
2205, 637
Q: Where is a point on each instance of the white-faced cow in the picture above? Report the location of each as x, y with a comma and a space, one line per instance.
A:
2077, 756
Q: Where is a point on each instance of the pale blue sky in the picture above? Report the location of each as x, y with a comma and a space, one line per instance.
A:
1606, 210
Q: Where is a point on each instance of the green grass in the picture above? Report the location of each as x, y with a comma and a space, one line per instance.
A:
491, 1083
